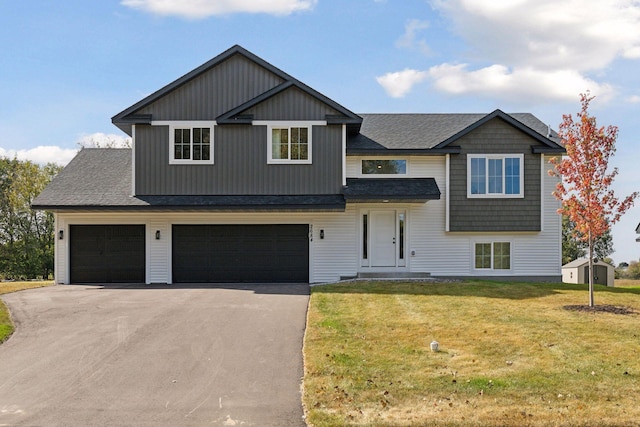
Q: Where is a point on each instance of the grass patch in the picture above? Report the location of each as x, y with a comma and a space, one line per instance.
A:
511, 355
627, 283
6, 326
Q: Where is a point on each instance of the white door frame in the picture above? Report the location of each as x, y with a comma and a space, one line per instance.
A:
366, 240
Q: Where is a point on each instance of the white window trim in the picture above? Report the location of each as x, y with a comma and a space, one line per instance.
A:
495, 195
289, 124
492, 242
190, 124
383, 175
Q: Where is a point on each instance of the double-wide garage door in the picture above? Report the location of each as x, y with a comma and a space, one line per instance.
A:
107, 253
240, 253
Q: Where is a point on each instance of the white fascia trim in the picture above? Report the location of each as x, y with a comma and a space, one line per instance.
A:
447, 169
542, 192
289, 123
344, 154
133, 160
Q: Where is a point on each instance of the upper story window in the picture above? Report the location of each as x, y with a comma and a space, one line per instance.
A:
191, 143
384, 167
494, 175
289, 142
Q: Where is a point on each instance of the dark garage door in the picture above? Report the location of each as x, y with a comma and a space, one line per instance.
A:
240, 253
107, 254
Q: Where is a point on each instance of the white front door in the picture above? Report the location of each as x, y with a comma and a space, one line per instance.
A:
383, 238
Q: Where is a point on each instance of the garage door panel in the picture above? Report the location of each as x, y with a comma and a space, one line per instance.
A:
107, 253
240, 253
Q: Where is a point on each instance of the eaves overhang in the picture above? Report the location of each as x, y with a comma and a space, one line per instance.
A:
385, 190
403, 152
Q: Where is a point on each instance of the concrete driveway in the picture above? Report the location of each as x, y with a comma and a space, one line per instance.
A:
154, 356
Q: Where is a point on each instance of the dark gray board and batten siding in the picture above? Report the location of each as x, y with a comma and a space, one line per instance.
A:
222, 88
495, 214
240, 168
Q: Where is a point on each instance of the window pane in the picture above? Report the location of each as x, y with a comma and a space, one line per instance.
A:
483, 255
279, 143
478, 176
401, 232
512, 175
365, 233
197, 134
186, 152
384, 167
495, 176
502, 255
304, 151
206, 152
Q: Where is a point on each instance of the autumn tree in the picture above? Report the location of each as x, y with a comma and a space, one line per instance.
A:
585, 188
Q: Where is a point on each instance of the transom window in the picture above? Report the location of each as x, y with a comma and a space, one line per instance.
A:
191, 143
495, 175
384, 167
494, 255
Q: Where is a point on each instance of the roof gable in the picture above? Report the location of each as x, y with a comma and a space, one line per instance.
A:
547, 144
252, 80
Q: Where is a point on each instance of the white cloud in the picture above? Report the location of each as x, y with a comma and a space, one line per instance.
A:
42, 154
502, 82
398, 84
197, 9
410, 37
548, 34
634, 99
541, 48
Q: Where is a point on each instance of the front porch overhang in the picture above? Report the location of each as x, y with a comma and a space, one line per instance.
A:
397, 190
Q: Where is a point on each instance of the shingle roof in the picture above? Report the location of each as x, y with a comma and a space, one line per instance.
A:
396, 189
425, 131
95, 177
100, 178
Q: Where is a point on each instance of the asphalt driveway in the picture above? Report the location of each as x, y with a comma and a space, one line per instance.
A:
154, 356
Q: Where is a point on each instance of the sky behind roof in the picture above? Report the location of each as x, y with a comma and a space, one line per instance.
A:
69, 66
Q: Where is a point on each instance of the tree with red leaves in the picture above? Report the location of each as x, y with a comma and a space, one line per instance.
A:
585, 189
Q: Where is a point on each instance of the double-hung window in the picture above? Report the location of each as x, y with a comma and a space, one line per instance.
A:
500, 175
191, 143
289, 142
493, 256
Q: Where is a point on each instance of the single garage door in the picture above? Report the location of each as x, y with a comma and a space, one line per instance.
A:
107, 253
240, 253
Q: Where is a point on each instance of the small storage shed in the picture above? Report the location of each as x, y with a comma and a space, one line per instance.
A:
578, 272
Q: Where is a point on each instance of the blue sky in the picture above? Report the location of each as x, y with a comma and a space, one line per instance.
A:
67, 67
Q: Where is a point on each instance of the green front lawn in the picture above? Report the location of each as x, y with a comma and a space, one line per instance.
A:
510, 355
6, 326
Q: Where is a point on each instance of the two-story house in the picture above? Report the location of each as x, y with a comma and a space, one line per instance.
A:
239, 172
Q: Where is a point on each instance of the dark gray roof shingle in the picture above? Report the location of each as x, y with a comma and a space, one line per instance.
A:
396, 189
423, 131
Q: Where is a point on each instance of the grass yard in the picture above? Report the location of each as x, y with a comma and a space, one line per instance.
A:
510, 355
6, 326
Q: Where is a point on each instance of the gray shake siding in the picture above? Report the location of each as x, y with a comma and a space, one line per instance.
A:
225, 86
495, 214
240, 155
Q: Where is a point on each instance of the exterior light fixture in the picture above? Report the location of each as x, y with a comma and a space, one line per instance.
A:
61, 234
157, 234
